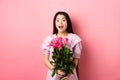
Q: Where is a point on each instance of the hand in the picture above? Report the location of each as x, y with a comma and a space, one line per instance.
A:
66, 78
60, 73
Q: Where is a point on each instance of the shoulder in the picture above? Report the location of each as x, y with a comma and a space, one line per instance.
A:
75, 39
75, 36
49, 37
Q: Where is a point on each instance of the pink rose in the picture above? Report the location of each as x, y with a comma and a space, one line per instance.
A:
58, 42
65, 41
59, 47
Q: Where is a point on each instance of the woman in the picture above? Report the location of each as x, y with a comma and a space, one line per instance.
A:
62, 27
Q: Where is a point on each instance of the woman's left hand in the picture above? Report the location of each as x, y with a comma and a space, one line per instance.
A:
66, 78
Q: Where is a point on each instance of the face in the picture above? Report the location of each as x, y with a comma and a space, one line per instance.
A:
61, 23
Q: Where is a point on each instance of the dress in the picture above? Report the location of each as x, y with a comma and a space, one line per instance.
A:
74, 43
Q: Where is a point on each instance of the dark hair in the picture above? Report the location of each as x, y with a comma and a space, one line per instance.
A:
69, 24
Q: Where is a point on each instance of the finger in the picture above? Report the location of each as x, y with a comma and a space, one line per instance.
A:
60, 75
64, 78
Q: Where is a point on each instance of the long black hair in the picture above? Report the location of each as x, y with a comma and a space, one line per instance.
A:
69, 24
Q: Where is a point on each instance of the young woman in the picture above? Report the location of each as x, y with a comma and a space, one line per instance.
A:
62, 27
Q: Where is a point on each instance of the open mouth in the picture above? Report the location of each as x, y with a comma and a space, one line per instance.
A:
60, 27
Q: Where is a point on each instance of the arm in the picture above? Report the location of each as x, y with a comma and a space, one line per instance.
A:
75, 60
47, 62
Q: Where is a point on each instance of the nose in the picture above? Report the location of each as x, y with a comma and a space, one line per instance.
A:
61, 22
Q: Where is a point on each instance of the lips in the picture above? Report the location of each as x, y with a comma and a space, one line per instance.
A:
60, 27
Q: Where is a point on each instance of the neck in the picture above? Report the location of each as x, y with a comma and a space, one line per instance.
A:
62, 34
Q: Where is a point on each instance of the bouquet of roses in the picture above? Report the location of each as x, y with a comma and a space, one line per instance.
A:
62, 56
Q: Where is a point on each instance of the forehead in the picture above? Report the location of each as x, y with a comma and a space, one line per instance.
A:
60, 16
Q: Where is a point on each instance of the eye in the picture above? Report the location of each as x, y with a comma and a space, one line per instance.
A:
64, 20
57, 20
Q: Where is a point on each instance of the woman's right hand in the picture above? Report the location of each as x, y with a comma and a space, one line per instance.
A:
60, 73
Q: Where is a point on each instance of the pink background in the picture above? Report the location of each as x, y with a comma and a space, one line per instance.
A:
25, 23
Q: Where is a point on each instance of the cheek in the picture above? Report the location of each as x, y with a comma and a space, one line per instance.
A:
56, 24
65, 24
